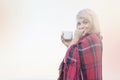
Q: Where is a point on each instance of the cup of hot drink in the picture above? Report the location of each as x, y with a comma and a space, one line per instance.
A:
67, 35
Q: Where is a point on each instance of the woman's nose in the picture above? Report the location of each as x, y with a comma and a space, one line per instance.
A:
80, 27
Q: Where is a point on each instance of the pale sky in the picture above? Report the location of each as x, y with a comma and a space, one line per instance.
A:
30, 33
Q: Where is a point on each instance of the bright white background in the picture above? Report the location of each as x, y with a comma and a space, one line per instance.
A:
30, 46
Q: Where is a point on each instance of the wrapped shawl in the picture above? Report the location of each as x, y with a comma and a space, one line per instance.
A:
83, 60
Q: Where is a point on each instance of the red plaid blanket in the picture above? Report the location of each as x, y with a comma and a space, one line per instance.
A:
83, 60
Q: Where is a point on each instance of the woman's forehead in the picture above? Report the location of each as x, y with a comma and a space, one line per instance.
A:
82, 19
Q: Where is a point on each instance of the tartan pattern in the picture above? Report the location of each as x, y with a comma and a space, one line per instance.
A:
83, 60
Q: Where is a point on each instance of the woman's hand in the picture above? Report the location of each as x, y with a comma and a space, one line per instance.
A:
65, 42
78, 34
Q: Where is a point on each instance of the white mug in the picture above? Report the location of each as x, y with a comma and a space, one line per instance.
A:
67, 35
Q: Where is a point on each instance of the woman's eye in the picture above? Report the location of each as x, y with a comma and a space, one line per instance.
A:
85, 22
78, 23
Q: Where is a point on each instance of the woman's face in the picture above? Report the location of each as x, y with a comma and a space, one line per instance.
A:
84, 23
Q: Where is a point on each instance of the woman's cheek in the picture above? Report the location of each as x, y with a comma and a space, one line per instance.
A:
76, 27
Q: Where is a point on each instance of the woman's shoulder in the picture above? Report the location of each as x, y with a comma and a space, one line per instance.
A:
91, 37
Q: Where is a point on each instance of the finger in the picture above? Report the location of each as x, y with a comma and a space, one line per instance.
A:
80, 31
62, 36
84, 32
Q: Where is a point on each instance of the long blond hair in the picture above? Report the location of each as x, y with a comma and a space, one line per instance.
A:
92, 17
